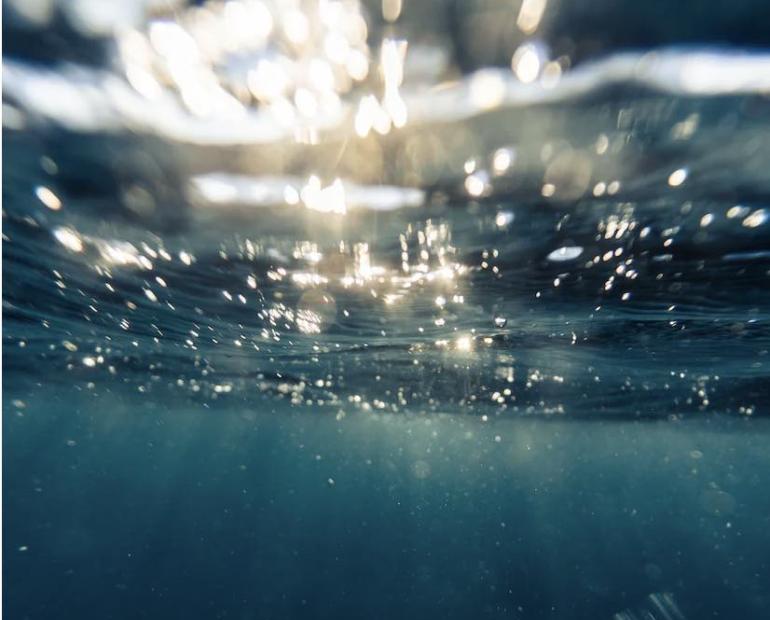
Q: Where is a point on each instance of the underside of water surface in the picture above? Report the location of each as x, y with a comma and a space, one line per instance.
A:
388, 310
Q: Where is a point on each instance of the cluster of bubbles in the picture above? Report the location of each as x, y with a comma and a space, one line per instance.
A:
318, 313
441, 303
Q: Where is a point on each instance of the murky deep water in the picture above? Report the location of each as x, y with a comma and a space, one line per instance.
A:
128, 509
503, 357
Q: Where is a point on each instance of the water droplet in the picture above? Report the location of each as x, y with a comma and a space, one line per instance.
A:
503, 219
756, 219
69, 238
477, 184
526, 62
503, 159
565, 253
48, 198
677, 177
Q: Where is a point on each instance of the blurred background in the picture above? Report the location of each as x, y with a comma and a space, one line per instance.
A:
393, 92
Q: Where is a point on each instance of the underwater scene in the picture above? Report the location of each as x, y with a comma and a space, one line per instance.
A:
386, 309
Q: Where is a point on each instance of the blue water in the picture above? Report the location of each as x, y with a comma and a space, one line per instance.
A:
509, 360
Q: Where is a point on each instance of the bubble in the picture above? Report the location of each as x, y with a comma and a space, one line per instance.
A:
503, 159
602, 144
48, 198
677, 177
69, 238
477, 184
186, 258
530, 14
565, 253
503, 219
527, 62
737, 211
756, 219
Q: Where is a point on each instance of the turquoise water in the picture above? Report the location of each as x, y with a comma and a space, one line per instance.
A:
462, 337
117, 508
489, 444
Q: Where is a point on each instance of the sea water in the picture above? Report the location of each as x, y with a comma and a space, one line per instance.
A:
505, 357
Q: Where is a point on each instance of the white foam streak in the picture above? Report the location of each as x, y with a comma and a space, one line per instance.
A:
677, 72
210, 190
86, 100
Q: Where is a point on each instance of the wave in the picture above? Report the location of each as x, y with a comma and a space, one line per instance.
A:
81, 98
593, 243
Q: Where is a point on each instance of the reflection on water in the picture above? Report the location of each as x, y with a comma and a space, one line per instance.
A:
501, 307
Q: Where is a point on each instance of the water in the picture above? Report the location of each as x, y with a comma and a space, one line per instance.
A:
458, 343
